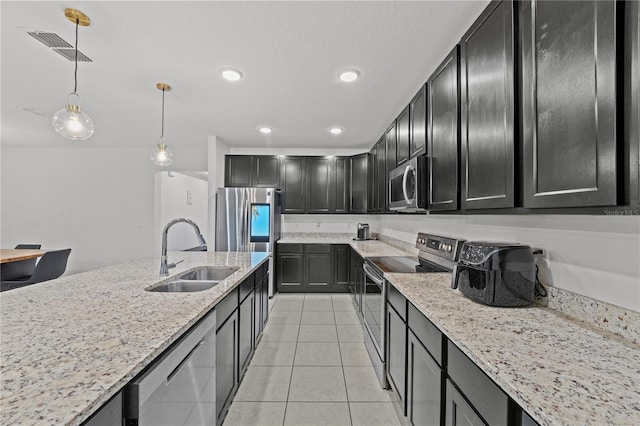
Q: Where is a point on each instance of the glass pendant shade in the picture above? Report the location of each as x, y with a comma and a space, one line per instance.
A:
161, 155
71, 123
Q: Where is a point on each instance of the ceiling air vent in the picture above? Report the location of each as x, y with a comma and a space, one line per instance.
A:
59, 45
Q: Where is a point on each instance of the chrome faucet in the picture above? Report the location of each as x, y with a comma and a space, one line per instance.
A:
164, 267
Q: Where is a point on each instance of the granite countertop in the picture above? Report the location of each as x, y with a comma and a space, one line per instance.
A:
560, 371
68, 345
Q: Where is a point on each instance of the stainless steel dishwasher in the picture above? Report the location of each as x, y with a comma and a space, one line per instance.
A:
180, 387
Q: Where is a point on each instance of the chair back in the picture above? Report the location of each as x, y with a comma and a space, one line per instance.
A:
51, 266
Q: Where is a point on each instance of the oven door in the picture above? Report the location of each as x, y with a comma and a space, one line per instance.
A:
374, 304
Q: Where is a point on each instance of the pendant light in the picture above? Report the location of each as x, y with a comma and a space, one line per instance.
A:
161, 156
70, 122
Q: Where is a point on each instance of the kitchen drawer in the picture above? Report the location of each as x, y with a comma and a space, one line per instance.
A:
398, 301
246, 287
317, 248
426, 332
486, 397
226, 307
289, 248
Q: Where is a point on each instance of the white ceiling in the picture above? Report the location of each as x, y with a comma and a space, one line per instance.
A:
289, 52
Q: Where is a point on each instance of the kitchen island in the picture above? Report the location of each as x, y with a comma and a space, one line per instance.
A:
68, 345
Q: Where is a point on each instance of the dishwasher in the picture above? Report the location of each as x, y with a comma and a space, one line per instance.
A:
179, 388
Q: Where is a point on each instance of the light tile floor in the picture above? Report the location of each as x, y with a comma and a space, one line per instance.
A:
312, 368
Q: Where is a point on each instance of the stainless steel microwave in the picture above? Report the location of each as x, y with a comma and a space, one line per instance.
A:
408, 186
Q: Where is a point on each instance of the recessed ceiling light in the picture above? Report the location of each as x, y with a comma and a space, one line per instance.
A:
265, 130
349, 75
231, 74
336, 130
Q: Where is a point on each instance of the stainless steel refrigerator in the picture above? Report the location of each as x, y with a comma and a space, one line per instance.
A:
248, 219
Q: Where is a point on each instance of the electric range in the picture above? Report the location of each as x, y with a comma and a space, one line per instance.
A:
437, 254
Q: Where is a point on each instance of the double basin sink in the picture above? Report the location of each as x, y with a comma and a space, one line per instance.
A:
199, 279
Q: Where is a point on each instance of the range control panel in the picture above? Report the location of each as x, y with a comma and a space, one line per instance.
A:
444, 247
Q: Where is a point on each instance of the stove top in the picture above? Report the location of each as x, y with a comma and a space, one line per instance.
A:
404, 264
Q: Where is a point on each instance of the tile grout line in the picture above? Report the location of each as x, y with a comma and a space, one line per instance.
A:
293, 363
344, 376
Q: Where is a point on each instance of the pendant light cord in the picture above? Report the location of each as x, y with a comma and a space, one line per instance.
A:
162, 130
75, 74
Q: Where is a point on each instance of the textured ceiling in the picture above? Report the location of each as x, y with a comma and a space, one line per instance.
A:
289, 52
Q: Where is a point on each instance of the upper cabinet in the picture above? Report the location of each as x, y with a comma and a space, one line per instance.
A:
358, 169
402, 130
487, 110
381, 176
418, 123
569, 103
261, 171
444, 133
339, 191
293, 184
318, 182
391, 143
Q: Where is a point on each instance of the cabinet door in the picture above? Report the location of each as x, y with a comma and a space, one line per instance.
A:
391, 139
264, 311
246, 333
381, 176
340, 267
569, 103
340, 186
289, 272
226, 364
318, 183
371, 180
266, 171
317, 272
403, 149
632, 116
424, 385
458, 410
444, 134
257, 312
293, 184
358, 184
418, 123
487, 108
397, 354
237, 170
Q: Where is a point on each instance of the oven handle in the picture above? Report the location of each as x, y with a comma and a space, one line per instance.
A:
368, 270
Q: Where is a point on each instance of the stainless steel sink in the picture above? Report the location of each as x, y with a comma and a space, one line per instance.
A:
184, 286
197, 280
208, 273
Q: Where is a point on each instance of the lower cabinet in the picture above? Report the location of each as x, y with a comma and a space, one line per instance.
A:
312, 268
397, 354
226, 364
458, 411
264, 299
246, 331
424, 385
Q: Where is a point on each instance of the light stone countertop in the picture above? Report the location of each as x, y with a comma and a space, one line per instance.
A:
560, 371
68, 345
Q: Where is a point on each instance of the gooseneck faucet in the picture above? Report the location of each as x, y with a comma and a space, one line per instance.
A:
164, 267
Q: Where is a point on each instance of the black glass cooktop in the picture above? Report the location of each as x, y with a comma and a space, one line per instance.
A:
404, 264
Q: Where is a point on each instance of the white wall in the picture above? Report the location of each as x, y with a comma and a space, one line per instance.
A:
98, 201
325, 223
174, 203
596, 256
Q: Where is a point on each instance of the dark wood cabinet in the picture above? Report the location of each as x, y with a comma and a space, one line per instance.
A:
317, 268
424, 383
292, 180
226, 353
340, 267
260, 171
397, 354
458, 410
318, 185
418, 123
403, 149
237, 170
258, 326
246, 321
391, 141
488, 110
266, 169
444, 134
264, 300
569, 103
632, 101
381, 176
371, 180
358, 193
340, 192
290, 267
